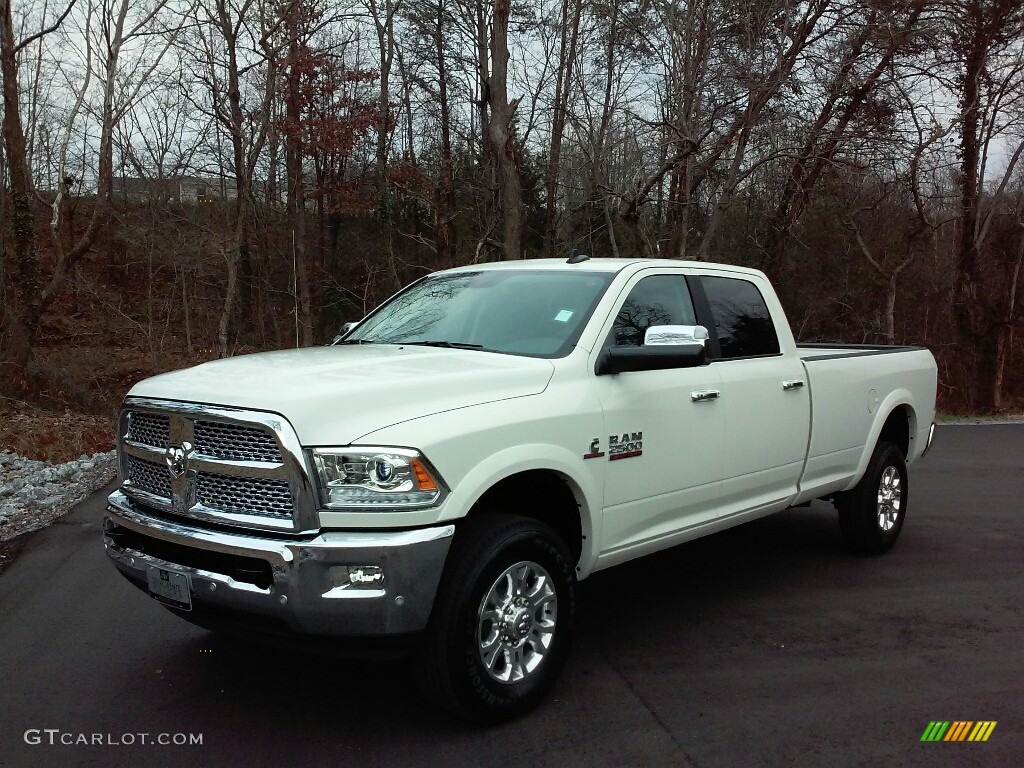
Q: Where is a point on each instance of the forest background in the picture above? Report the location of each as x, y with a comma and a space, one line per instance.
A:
190, 179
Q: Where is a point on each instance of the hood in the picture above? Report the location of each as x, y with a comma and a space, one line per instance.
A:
335, 395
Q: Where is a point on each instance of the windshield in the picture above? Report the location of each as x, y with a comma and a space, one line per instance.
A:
539, 313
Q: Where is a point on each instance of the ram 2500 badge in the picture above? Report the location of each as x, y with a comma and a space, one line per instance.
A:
448, 470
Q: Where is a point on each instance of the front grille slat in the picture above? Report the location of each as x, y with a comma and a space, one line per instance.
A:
235, 442
150, 429
244, 495
150, 477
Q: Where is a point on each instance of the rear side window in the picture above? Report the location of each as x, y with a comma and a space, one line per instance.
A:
655, 300
745, 328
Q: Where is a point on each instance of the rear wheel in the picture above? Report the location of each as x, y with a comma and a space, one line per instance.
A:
500, 630
871, 514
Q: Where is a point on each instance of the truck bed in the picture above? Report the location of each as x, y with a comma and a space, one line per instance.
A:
849, 384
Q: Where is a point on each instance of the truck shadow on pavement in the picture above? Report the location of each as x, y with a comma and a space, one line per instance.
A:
637, 613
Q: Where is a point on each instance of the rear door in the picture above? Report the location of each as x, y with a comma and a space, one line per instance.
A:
662, 449
765, 400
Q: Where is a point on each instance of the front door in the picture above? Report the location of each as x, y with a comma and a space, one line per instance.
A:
664, 430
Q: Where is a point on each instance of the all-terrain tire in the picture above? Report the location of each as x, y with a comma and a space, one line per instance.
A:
467, 651
871, 514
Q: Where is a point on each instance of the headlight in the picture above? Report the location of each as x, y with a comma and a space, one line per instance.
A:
367, 479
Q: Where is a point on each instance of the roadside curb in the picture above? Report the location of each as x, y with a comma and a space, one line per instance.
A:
979, 422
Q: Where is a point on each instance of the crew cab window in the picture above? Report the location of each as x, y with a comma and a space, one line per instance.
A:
744, 325
655, 300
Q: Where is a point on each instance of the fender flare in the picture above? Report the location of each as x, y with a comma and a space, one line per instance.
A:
499, 466
897, 399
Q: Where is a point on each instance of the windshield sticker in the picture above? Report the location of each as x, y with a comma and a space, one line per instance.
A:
563, 316
625, 446
595, 451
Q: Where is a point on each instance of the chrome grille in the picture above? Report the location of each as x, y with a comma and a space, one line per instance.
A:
235, 442
244, 495
149, 476
149, 429
206, 445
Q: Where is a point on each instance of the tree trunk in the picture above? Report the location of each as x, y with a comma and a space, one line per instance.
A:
890, 309
185, 310
444, 196
296, 186
383, 19
678, 214
499, 133
1004, 342
601, 164
21, 311
968, 305
563, 85
483, 72
238, 255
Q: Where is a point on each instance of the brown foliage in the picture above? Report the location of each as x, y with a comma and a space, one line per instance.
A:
54, 436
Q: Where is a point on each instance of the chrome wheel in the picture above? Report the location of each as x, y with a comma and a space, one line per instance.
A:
890, 498
516, 622
873, 512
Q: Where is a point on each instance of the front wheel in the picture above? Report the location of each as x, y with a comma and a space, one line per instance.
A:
500, 630
871, 514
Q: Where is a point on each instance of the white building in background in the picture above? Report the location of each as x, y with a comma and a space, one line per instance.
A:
182, 189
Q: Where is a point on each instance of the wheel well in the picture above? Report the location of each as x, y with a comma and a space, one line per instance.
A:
541, 494
896, 429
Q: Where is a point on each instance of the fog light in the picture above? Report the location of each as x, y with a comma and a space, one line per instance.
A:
356, 576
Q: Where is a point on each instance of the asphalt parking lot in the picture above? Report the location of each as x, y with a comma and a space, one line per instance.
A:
766, 645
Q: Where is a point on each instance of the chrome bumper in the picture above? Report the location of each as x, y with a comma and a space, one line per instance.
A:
298, 590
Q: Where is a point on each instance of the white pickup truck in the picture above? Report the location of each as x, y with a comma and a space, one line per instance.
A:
444, 473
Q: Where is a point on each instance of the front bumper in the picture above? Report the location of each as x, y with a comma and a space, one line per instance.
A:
286, 583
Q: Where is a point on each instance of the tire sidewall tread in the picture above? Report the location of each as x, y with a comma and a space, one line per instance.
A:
449, 666
858, 515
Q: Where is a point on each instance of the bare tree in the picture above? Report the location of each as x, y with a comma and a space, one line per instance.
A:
231, 43
500, 136
569, 27
986, 38
878, 40
383, 14
117, 24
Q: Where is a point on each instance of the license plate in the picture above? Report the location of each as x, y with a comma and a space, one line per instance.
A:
169, 587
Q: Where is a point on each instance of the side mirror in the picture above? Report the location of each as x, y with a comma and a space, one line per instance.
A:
665, 346
344, 331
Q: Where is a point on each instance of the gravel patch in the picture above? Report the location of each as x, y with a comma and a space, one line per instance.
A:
35, 493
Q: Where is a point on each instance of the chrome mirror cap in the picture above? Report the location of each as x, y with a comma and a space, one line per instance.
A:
671, 335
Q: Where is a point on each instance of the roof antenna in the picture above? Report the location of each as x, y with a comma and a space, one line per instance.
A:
575, 257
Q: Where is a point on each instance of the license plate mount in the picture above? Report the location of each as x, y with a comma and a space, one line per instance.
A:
169, 587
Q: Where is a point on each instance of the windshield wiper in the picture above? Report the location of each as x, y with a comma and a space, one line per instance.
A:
446, 344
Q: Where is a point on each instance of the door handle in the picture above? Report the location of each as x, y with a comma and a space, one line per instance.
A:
792, 384
704, 395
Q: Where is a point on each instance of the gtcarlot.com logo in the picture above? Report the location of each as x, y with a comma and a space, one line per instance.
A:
958, 730
56, 737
